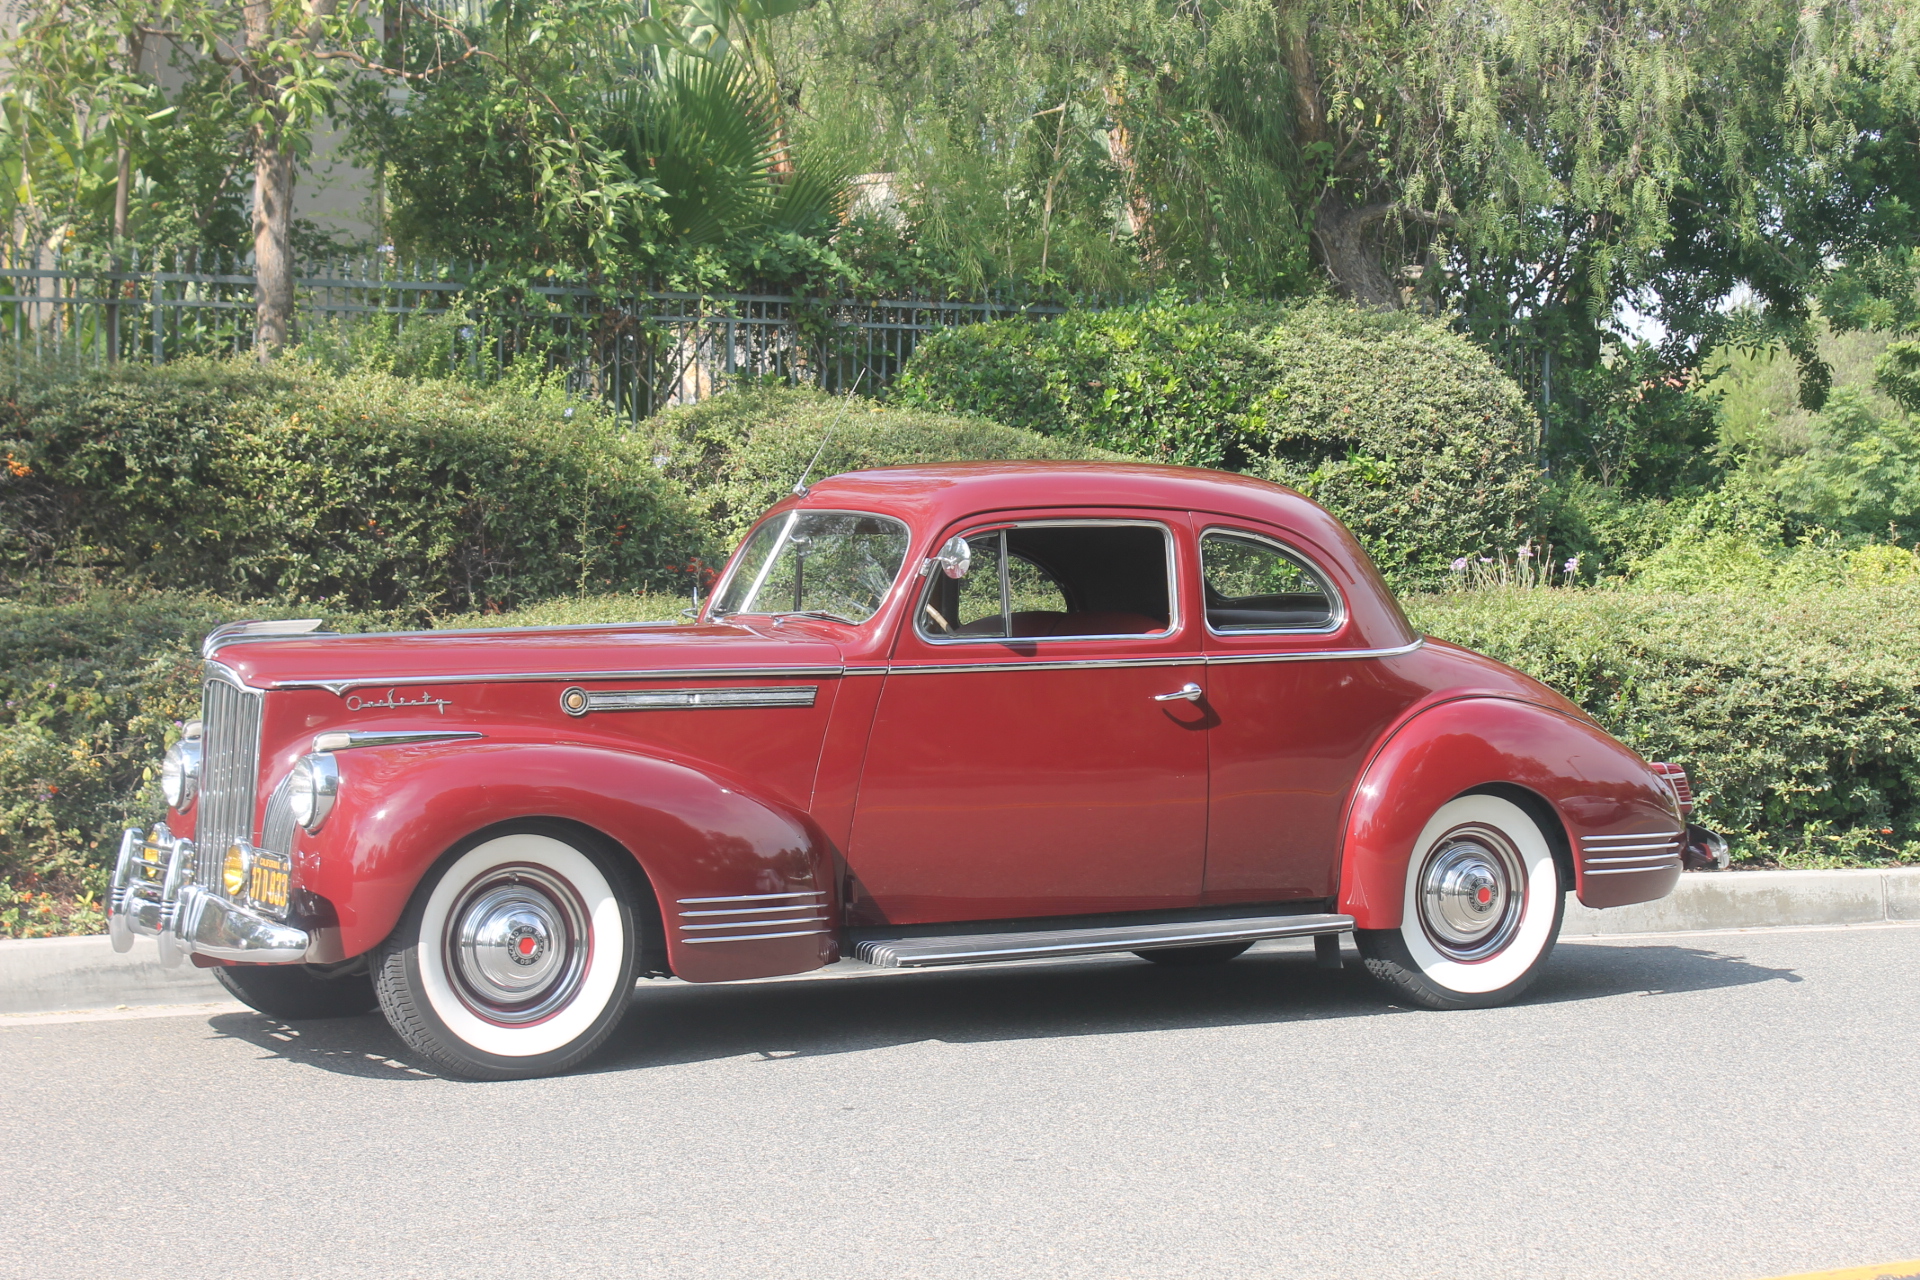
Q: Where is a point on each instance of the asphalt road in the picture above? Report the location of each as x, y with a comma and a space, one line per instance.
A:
1712, 1106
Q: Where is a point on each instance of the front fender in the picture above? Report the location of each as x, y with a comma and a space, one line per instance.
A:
401, 808
1590, 783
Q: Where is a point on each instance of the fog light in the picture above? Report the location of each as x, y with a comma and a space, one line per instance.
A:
311, 789
180, 773
234, 872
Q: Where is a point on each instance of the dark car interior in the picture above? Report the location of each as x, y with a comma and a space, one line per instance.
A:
1059, 580
1253, 585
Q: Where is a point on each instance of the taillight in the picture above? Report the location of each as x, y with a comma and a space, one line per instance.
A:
1676, 779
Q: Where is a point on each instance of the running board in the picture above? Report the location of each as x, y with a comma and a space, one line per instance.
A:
984, 948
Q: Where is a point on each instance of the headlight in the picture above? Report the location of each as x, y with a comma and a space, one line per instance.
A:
180, 773
312, 788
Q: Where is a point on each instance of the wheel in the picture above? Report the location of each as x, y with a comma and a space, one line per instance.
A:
1187, 957
294, 993
1482, 909
515, 958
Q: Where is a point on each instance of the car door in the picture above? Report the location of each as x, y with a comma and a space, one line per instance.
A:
1298, 707
1040, 744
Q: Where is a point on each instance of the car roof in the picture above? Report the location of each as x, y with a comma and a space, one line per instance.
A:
942, 492
932, 497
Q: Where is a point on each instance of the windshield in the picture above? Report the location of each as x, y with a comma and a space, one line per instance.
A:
837, 563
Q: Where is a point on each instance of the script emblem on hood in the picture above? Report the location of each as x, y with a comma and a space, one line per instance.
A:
393, 701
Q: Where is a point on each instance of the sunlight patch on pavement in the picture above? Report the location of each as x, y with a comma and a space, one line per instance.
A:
1885, 1271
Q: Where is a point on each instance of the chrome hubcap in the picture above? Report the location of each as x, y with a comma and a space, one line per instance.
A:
1471, 891
518, 940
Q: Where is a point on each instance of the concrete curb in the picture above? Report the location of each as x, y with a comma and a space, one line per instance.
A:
46, 975
1705, 901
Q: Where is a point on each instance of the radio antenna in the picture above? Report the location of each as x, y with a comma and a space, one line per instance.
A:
800, 487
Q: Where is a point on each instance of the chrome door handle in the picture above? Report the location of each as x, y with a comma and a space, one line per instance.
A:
1189, 692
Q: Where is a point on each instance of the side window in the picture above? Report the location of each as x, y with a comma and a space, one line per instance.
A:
1051, 581
1253, 585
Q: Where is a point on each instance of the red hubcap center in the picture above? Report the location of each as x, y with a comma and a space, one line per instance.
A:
1484, 896
527, 944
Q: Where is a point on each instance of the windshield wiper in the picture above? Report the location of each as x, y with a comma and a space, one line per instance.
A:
813, 613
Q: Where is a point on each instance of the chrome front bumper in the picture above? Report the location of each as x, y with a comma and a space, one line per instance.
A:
152, 895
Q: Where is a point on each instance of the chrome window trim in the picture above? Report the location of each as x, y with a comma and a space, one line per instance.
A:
1001, 526
907, 564
1314, 655
1181, 660
1339, 617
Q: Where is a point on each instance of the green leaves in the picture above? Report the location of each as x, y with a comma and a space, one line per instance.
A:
708, 137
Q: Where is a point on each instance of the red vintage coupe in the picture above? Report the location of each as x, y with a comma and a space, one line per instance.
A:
930, 715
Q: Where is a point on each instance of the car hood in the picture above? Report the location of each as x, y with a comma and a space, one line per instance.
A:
557, 653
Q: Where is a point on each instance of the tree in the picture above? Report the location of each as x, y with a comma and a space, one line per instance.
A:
656, 147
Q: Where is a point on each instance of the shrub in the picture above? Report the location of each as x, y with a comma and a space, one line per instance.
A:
742, 451
1402, 428
362, 491
1794, 715
1861, 471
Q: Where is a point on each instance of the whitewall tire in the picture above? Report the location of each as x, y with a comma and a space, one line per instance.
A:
515, 957
1481, 911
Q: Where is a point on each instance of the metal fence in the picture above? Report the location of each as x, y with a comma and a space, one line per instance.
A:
640, 350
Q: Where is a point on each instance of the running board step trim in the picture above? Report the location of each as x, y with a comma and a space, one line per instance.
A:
985, 948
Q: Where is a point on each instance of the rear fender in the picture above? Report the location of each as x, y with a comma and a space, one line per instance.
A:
1574, 779
694, 835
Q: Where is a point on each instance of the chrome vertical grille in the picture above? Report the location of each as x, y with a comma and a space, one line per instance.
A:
276, 826
230, 765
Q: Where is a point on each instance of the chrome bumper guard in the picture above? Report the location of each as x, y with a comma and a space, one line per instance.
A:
1706, 850
152, 895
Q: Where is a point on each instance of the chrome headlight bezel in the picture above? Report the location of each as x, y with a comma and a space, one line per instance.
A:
312, 788
180, 774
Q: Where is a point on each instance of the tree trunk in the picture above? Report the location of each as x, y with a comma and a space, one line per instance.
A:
122, 194
272, 254
1345, 241
274, 145
1343, 235
1120, 148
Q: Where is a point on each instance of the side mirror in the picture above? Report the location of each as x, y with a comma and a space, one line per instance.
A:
955, 558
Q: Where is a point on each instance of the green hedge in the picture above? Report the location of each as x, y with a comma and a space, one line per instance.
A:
1798, 717
362, 491
1404, 429
742, 451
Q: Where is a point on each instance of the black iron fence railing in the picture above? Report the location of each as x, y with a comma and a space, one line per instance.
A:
640, 350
